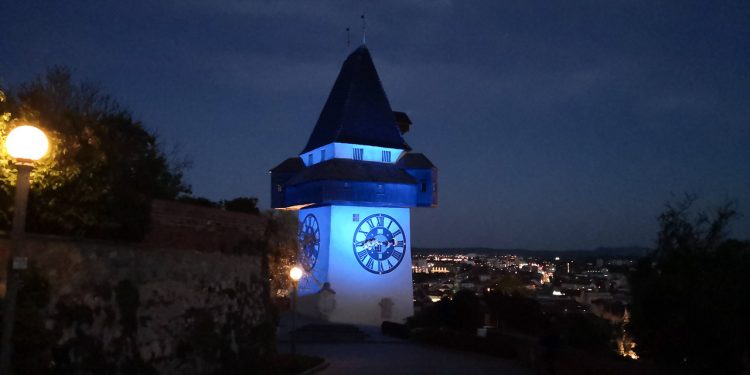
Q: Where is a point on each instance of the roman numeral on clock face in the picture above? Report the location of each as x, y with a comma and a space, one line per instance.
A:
397, 254
370, 263
381, 221
397, 232
362, 254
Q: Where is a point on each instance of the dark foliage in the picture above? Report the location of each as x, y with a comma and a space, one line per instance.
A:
281, 248
103, 167
516, 312
242, 204
465, 312
587, 332
198, 201
513, 313
689, 310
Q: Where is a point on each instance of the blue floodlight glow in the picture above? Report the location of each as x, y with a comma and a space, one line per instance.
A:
338, 264
314, 278
346, 151
353, 186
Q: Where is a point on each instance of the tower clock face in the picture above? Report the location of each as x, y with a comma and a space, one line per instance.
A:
309, 241
379, 243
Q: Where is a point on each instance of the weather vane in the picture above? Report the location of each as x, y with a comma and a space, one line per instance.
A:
364, 29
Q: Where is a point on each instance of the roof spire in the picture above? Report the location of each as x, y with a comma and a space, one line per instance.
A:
348, 43
357, 110
364, 29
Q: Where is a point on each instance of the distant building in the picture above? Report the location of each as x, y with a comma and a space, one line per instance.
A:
420, 266
438, 269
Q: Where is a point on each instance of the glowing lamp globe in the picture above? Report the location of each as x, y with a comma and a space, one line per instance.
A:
26, 143
295, 273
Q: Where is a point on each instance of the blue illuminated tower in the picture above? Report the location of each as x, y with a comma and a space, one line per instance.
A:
353, 184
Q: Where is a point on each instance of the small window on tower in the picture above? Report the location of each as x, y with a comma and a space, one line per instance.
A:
358, 153
424, 187
387, 156
309, 159
279, 188
322, 155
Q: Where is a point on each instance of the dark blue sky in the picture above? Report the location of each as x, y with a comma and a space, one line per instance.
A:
562, 125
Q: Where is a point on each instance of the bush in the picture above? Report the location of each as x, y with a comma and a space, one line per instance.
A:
689, 313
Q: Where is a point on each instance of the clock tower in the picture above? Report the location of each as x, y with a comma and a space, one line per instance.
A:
354, 184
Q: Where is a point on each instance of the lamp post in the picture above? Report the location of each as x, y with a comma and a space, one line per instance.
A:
25, 144
295, 274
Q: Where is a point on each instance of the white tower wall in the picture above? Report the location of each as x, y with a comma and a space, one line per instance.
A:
360, 294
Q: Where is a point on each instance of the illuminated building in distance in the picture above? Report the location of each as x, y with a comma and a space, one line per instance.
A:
353, 184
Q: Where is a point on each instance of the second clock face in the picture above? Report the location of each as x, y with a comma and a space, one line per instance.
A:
379, 243
309, 241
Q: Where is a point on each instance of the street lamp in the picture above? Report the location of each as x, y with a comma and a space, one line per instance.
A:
26, 144
295, 274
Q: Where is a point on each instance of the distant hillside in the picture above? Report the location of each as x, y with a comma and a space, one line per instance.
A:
599, 252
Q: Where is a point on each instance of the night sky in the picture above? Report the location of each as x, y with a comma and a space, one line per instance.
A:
564, 125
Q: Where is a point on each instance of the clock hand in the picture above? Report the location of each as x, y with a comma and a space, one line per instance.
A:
369, 244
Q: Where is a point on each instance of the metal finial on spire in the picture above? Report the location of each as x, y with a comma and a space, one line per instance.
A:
364, 29
348, 42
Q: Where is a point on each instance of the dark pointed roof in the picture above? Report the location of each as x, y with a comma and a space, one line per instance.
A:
290, 165
357, 110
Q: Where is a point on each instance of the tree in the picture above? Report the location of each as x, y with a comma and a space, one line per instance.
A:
465, 312
689, 310
198, 201
246, 205
283, 248
103, 168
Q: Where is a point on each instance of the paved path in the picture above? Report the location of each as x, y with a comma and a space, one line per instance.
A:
405, 358
383, 355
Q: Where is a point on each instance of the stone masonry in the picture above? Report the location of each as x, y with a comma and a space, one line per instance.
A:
146, 307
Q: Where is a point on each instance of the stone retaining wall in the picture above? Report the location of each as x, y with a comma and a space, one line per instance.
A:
181, 225
99, 307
